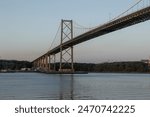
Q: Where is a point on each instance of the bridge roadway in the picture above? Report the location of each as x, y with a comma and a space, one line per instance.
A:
117, 24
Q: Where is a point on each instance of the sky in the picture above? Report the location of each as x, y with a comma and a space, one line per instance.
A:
28, 27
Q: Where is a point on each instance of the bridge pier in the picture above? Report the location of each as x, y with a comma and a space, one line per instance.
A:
40, 63
43, 63
51, 65
46, 62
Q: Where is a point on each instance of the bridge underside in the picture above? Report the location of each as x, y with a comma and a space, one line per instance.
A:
123, 22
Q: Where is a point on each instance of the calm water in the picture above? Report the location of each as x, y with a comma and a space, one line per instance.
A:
78, 86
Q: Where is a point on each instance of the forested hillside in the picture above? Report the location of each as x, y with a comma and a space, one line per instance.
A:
14, 65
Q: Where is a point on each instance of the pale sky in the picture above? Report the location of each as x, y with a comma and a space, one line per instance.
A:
27, 28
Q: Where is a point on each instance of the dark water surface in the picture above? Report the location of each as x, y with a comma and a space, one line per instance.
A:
78, 86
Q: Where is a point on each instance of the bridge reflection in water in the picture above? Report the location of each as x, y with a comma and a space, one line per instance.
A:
66, 87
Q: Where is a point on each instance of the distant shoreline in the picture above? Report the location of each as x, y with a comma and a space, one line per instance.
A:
13, 66
16, 71
78, 72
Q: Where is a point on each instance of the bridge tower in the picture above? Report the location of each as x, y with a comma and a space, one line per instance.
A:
66, 53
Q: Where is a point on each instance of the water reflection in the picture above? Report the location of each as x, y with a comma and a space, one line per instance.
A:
66, 87
32, 86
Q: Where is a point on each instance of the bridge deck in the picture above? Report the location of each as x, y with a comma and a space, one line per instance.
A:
123, 22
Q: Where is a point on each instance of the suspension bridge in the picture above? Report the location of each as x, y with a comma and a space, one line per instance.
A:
46, 62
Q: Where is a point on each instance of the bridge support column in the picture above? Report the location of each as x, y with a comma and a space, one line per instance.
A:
49, 63
46, 63
40, 63
66, 53
35, 64
52, 60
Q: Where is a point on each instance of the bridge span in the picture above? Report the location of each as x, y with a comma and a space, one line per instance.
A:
44, 62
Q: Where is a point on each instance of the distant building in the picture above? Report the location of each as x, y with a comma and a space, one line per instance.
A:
147, 62
25, 69
3, 70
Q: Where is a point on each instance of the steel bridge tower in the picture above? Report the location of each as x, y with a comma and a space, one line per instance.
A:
66, 55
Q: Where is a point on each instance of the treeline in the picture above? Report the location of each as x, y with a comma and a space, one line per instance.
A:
89, 67
122, 67
14, 64
111, 67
